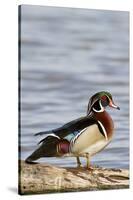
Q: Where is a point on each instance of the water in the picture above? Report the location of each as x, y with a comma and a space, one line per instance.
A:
67, 55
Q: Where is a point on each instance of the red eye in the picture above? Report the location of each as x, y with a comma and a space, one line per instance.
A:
104, 98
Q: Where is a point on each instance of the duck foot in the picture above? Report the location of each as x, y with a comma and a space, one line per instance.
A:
80, 167
89, 168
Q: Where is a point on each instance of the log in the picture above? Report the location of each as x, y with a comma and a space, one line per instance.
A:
44, 178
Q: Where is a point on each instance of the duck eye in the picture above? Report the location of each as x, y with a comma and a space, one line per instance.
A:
104, 98
104, 101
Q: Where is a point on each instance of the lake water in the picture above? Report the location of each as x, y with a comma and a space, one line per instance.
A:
67, 55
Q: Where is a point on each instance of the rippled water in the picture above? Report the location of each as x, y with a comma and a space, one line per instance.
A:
67, 55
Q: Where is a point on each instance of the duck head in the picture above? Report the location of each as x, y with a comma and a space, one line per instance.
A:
99, 101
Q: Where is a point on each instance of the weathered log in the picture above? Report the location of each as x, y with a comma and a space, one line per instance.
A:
43, 178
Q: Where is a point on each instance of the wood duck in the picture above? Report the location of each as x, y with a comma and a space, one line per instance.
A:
83, 137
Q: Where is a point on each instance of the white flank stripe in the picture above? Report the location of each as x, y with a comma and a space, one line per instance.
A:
78, 135
52, 134
104, 131
74, 139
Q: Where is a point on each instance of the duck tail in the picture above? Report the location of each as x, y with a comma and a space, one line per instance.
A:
43, 133
34, 156
47, 148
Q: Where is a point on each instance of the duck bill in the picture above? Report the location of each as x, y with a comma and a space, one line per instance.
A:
111, 104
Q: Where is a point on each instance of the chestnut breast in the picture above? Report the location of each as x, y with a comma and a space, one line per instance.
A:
106, 121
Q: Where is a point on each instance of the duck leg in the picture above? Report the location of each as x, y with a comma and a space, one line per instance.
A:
78, 162
88, 161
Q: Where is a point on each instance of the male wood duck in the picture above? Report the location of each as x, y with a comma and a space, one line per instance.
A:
83, 137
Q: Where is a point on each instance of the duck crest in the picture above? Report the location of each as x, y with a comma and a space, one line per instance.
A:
106, 121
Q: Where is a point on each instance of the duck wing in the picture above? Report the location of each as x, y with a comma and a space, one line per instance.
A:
71, 129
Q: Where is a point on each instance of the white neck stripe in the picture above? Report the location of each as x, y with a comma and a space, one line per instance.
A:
102, 108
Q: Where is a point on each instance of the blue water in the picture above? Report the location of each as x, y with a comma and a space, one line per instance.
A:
67, 55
